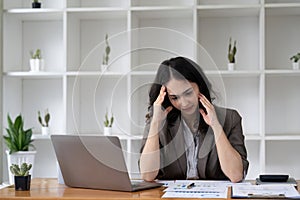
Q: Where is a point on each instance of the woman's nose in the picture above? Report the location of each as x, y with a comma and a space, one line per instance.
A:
183, 102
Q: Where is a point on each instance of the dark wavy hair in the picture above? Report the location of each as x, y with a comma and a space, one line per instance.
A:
185, 69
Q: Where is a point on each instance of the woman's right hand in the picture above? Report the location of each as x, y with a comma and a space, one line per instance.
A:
159, 113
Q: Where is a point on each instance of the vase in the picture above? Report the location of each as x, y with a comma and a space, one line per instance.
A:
45, 130
36, 4
36, 65
107, 130
295, 65
22, 183
231, 66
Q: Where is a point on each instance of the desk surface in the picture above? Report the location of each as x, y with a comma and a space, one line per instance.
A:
50, 189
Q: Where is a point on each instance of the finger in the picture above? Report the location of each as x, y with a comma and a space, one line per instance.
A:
202, 112
161, 95
201, 96
168, 109
204, 101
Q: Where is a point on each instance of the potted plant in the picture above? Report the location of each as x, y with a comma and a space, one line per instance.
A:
18, 141
44, 123
21, 175
108, 122
231, 55
295, 58
105, 55
36, 61
36, 4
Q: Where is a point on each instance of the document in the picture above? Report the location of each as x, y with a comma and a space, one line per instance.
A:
4, 185
264, 191
198, 189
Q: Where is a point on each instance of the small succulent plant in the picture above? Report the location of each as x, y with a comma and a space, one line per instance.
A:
45, 122
36, 55
108, 122
295, 58
232, 51
22, 170
107, 52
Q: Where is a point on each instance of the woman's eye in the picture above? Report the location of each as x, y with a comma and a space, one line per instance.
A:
174, 98
188, 93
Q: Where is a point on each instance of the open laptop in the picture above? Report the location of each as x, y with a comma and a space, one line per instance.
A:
95, 162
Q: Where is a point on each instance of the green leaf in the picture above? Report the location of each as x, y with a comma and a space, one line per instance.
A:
47, 118
17, 139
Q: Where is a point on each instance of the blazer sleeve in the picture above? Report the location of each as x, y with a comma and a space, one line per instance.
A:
237, 139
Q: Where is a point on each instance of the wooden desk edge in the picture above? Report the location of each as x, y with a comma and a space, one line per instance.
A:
49, 189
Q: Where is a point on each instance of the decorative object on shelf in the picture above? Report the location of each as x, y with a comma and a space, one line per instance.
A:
295, 59
105, 60
231, 55
36, 61
18, 142
108, 122
21, 175
45, 126
36, 4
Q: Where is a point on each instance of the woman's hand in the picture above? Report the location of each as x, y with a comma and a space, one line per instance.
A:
150, 157
230, 160
159, 113
210, 117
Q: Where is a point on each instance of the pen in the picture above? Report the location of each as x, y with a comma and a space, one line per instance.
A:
190, 185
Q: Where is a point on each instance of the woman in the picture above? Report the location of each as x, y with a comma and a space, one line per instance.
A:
186, 136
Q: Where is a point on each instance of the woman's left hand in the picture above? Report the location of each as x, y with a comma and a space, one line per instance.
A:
210, 117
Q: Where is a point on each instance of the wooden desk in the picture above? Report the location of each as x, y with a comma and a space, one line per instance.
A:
46, 189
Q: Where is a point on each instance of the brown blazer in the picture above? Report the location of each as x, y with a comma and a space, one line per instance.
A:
173, 164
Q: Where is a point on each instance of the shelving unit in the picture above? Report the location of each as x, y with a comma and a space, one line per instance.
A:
263, 88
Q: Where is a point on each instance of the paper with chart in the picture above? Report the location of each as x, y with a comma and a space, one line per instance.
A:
200, 189
275, 191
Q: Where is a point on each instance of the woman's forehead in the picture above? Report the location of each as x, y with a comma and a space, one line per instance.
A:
176, 87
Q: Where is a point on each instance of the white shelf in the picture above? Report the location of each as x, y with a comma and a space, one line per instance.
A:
250, 137
40, 137
36, 14
94, 73
160, 8
100, 9
97, 13
34, 74
286, 137
263, 87
162, 12
282, 5
235, 73
228, 10
283, 72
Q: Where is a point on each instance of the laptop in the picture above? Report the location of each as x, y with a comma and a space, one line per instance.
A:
94, 162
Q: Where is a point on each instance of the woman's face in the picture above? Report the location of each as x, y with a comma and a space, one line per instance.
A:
183, 95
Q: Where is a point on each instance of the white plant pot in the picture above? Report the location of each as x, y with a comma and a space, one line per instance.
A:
36, 65
231, 66
104, 68
19, 158
45, 130
295, 65
107, 130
